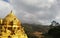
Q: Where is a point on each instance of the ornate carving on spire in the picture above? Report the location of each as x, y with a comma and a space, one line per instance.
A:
11, 27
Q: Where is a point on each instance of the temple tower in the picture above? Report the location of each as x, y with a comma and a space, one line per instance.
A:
11, 27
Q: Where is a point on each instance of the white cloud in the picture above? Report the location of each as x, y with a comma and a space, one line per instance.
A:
4, 8
39, 3
36, 11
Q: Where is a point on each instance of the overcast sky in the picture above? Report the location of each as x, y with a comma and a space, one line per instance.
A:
33, 11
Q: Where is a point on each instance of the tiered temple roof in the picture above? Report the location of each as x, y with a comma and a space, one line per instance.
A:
10, 27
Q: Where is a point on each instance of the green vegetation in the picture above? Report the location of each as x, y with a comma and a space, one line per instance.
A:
33, 30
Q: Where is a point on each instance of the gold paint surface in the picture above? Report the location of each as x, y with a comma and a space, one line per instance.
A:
10, 27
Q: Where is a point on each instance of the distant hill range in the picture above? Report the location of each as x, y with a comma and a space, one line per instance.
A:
41, 31
35, 30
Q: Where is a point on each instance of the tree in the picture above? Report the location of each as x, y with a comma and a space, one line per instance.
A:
54, 32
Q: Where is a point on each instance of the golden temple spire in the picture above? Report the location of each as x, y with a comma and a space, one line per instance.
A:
11, 14
11, 27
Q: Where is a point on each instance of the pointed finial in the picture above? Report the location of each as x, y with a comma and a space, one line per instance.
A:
11, 12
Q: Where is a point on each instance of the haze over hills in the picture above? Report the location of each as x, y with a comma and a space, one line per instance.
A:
38, 30
34, 30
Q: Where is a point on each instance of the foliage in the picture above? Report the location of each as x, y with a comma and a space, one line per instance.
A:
54, 32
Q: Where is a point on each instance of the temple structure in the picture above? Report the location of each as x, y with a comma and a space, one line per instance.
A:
10, 27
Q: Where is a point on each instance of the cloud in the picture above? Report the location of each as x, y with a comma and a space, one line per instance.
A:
36, 11
38, 3
4, 8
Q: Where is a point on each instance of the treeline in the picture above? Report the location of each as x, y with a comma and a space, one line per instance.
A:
51, 31
54, 31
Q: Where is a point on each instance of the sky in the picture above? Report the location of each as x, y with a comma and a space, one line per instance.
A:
33, 11
6, 0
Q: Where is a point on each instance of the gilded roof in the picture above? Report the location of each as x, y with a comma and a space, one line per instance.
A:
11, 17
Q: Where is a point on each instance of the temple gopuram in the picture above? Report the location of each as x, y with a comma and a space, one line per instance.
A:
10, 27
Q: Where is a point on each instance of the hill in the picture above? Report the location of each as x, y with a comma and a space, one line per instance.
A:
35, 30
